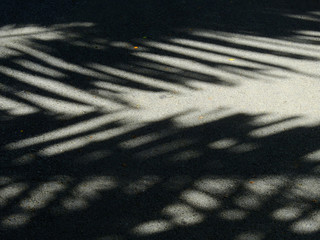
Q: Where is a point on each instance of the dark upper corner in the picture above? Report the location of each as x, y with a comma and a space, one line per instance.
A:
128, 19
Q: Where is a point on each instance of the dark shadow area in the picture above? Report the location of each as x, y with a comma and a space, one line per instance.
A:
199, 190
91, 175
131, 19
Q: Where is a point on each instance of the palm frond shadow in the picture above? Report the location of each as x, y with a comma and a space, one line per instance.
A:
74, 165
178, 42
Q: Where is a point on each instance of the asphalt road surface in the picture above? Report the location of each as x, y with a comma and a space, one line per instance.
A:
143, 120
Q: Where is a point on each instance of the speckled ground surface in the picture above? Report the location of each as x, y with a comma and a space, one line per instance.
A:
160, 120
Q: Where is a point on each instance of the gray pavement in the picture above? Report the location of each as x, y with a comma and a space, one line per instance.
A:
160, 120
